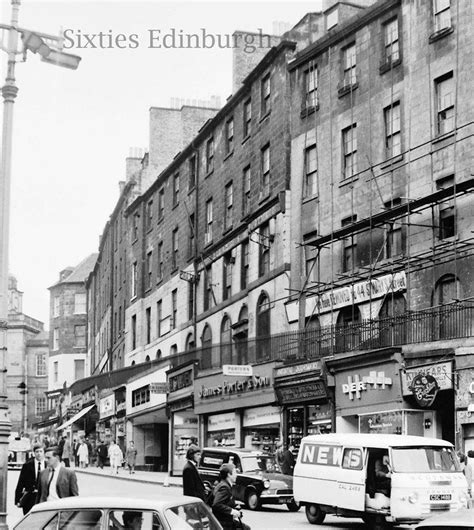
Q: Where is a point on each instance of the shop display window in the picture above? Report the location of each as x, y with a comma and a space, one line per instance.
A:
221, 438
262, 439
311, 419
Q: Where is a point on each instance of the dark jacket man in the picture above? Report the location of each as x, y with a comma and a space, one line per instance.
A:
65, 478
27, 488
193, 485
224, 506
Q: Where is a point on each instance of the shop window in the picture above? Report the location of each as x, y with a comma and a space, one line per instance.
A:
263, 328
392, 322
206, 354
447, 322
348, 329
241, 337
226, 341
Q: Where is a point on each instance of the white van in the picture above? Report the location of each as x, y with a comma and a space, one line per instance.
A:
380, 478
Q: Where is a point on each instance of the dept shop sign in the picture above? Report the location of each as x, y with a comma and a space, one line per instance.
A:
255, 382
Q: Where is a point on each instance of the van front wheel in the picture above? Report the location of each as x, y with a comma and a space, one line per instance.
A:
314, 514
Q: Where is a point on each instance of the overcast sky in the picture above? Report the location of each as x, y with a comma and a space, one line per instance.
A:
73, 129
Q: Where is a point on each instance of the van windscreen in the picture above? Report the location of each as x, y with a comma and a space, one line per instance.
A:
424, 460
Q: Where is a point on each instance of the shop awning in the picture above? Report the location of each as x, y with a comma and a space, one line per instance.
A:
75, 418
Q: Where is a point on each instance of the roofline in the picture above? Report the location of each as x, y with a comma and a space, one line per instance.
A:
211, 124
343, 32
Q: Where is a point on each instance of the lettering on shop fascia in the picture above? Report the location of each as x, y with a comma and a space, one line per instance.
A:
254, 383
375, 380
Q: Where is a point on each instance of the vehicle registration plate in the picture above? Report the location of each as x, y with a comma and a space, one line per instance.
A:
440, 497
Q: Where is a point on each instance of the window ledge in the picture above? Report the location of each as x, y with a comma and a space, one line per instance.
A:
227, 230
347, 181
228, 155
190, 190
175, 205
446, 240
159, 281
306, 111
388, 65
265, 116
150, 229
246, 139
347, 89
133, 298
209, 173
442, 137
437, 35
310, 198
391, 161
160, 220
263, 198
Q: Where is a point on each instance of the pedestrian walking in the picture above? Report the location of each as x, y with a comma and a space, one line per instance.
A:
467, 470
75, 448
83, 454
131, 457
56, 481
287, 461
101, 455
115, 457
66, 455
27, 487
61, 442
192, 482
224, 506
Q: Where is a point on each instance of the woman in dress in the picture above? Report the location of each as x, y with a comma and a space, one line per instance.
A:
115, 457
131, 457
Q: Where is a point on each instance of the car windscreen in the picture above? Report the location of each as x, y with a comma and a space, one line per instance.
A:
259, 463
36, 520
191, 515
424, 460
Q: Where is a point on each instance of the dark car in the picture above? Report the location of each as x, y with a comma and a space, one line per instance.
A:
259, 479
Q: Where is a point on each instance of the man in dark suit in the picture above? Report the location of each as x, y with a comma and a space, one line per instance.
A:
27, 487
224, 506
192, 482
56, 481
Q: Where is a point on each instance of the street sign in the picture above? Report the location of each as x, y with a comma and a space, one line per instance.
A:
238, 370
159, 388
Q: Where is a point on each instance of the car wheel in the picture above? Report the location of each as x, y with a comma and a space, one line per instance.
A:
376, 522
252, 500
314, 514
293, 506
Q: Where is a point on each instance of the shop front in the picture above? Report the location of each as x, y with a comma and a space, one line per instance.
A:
427, 386
302, 394
465, 402
106, 417
228, 411
368, 394
183, 422
147, 422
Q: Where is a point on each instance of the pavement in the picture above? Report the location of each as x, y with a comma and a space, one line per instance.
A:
146, 477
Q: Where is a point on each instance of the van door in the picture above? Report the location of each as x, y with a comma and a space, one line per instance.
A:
351, 480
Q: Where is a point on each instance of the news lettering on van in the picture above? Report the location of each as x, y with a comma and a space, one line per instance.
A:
321, 455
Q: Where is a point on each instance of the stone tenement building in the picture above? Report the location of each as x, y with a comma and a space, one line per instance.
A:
27, 376
317, 228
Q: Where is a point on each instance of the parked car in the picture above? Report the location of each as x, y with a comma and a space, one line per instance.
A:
259, 479
112, 513
462, 520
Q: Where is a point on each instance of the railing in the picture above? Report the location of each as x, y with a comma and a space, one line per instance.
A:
446, 322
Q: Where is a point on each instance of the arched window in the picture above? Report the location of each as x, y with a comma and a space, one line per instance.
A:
447, 317
206, 339
392, 323
158, 354
348, 329
133, 363
312, 337
190, 344
173, 349
241, 337
147, 359
263, 328
226, 341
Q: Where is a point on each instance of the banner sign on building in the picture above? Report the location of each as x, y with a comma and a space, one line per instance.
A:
159, 388
221, 422
107, 406
261, 416
357, 293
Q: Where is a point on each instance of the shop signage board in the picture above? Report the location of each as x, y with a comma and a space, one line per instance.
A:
159, 388
425, 389
357, 384
221, 422
238, 370
261, 416
179, 381
255, 382
442, 372
107, 406
357, 293
303, 391
297, 369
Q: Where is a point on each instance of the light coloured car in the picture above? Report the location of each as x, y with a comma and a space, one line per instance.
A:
116, 513
462, 520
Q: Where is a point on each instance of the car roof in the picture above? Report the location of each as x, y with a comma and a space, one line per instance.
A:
449, 519
118, 503
240, 450
376, 440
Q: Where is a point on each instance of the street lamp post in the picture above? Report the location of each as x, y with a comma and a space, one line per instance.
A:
49, 48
